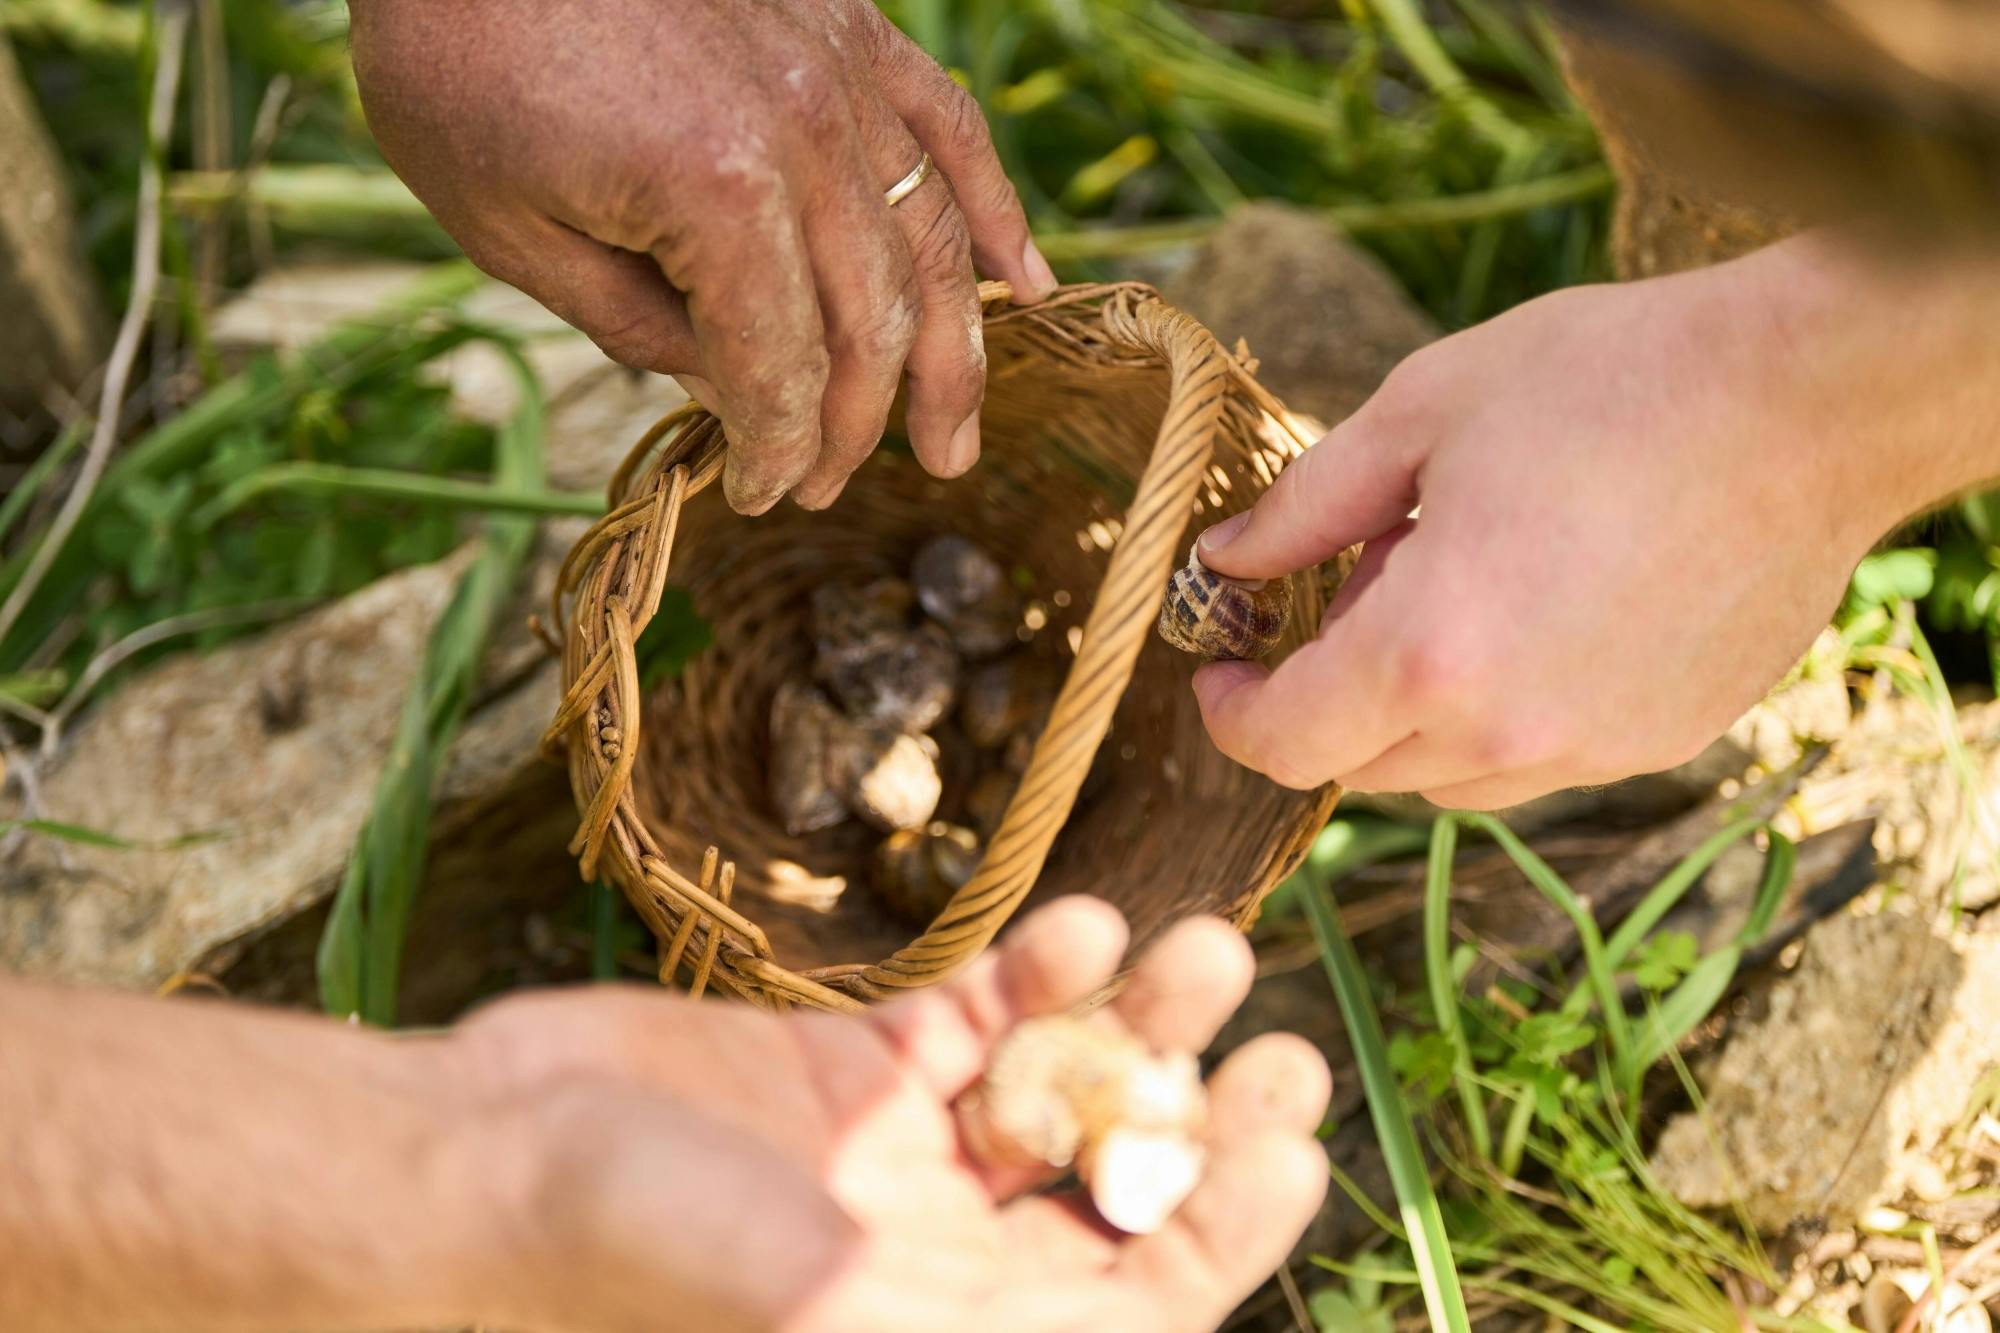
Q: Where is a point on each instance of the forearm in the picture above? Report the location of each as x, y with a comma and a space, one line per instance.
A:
186, 1165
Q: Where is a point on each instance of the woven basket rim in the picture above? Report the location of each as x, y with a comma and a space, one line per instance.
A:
596, 728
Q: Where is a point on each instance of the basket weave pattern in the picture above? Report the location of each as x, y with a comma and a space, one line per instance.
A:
1113, 424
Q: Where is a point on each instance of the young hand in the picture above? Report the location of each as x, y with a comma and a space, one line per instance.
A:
1638, 505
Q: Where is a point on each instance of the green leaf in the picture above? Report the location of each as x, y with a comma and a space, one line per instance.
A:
1335, 1311
1892, 576
1664, 959
671, 639
1423, 1059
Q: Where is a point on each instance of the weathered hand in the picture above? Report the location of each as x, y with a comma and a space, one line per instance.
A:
1639, 503
698, 185
706, 1166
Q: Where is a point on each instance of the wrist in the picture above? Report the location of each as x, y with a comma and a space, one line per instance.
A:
1876, 377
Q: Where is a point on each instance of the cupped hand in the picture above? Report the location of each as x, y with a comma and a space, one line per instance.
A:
701, 1165
1634, 507
698, 185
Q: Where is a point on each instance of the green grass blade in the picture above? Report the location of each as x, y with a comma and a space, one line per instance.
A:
85, 836
1407, 1171
361, 949
389, 484
1671, 888
1709, 980
1617, 1026
34, 688
76, 833
15, 503
1404, 21
603, 932
1444, 986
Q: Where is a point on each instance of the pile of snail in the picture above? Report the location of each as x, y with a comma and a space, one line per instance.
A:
914, 680
922, 699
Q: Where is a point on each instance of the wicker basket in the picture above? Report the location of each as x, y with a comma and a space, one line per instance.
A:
1114, 429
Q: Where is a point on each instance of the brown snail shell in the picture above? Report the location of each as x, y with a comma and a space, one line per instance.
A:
802, 724
1224, 619
902, 678
918, 870
986, 804
965, 590
851, 612
887, 777
1000, 698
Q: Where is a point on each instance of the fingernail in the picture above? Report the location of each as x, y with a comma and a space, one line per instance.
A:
963, 451
1223, 533
1040, 275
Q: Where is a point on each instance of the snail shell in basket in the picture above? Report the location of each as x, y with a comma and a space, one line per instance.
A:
965, 590
885, 776
851, 612
802, 726
1003, 697
874, 663
917, 870
986, 804
1223, 618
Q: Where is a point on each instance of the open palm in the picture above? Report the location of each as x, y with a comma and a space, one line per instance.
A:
711, 1167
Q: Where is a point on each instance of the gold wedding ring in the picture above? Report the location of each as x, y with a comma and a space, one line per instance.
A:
907, 186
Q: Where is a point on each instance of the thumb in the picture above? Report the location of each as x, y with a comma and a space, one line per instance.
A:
1356, 483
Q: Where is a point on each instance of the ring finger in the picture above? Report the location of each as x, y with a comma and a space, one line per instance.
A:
947, 364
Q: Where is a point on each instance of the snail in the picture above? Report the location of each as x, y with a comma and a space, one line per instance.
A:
825, 767
888, 778
986, 804
1003, 697
802, 722
917, 870
965, 590
889, 673
1223, 618
846, 612
1062, 1091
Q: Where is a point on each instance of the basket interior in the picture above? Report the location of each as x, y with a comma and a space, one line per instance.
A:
1167, 827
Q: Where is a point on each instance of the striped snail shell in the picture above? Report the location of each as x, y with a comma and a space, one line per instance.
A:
1223, 618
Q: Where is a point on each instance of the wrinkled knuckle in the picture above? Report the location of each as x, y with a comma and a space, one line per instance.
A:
649, 342
890, 329
813, 93
965, 128
942, 248
778, 402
